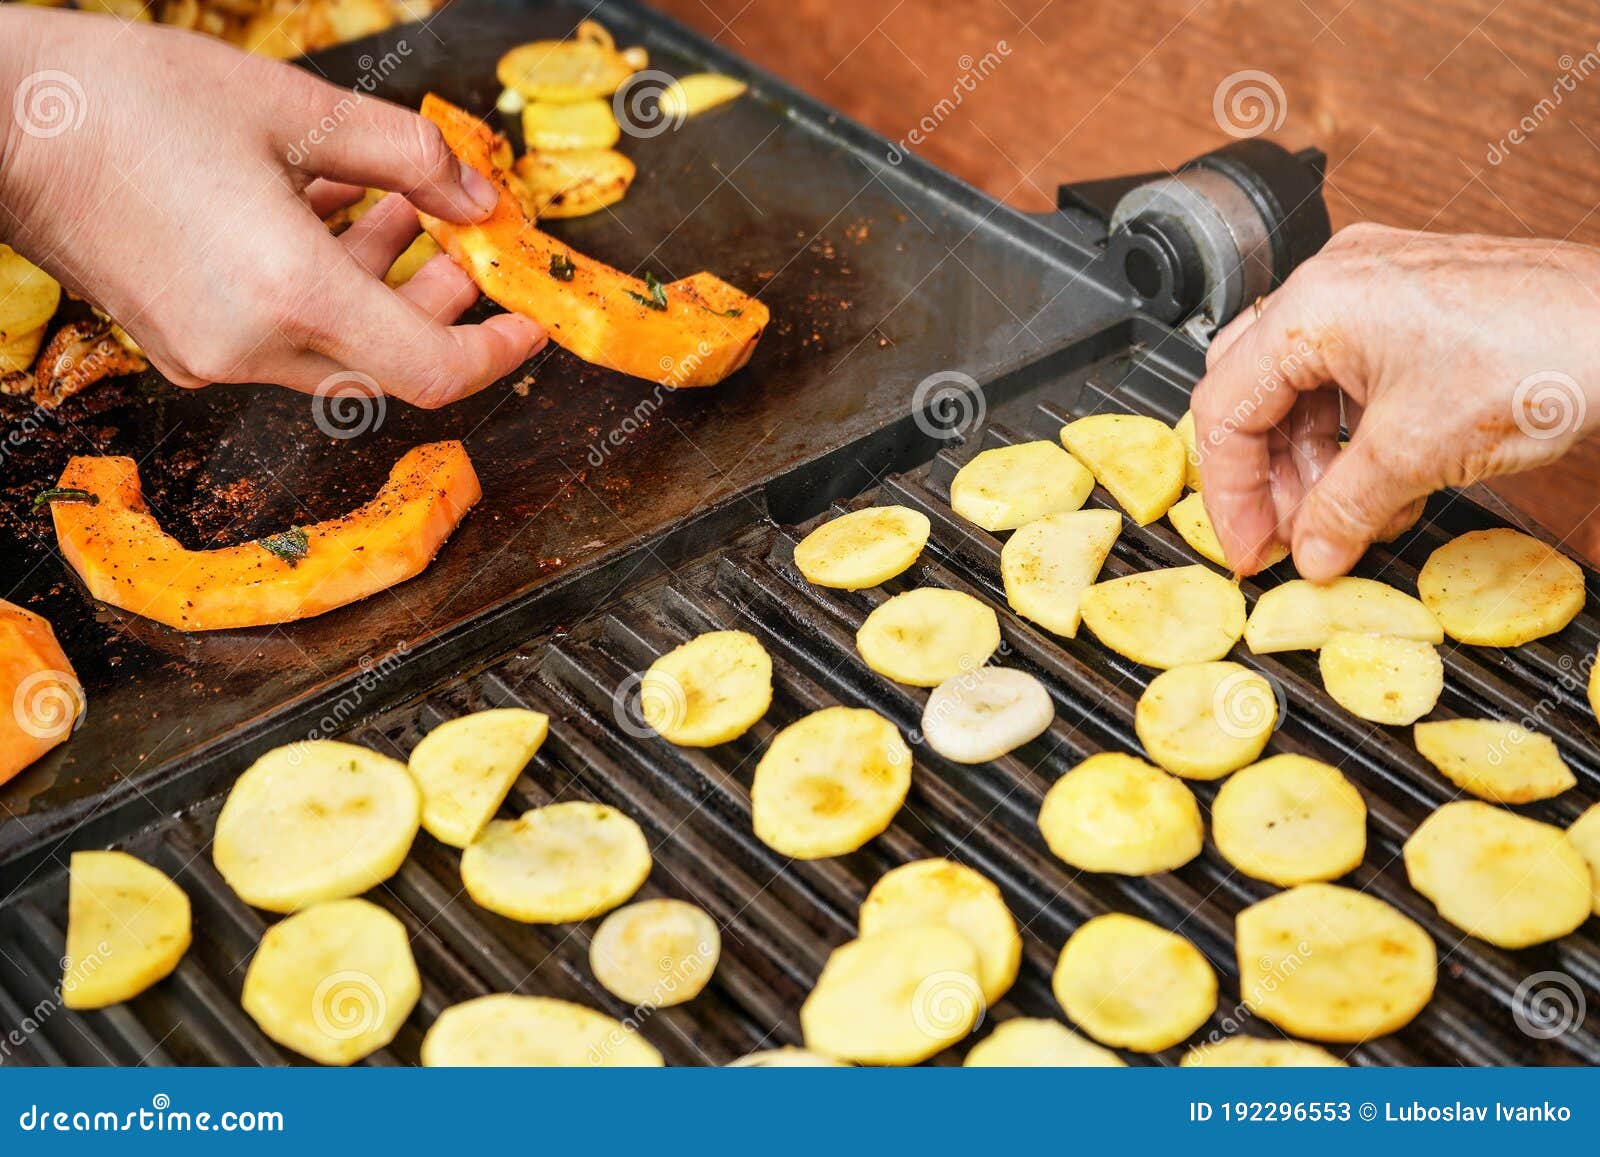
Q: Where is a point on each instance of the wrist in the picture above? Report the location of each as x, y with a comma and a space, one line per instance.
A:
42, 106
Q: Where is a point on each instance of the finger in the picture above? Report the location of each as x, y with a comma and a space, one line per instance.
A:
326, 197
1312, 433
1345, 512
1288, 487
382, 234
382, 145
440, 289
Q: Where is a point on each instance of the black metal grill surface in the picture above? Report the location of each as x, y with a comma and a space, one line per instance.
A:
781, 918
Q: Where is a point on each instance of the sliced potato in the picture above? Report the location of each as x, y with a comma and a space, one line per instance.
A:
829, 783
1165, 618
656, 953
422, 250
1189, 518
315, 821
1191, 453
504, 1030
1585, 836
333, 982
1139, 460
1005, 487
561, 71
28, 296
1290, 820
1035, 1042
787, 1057
1130, 984
1116, 813
894, 997
1047, 565
982, 715
1333, 964
128, 925
466, 766
574, 182
709, 690
697, 93
1204, 720
1494, 759
950, 895
1301, 616
1499, 876
557, 863
1252, 1052
585, 124
928, 635
1500, 588
863, 548
1382, 678
17, 352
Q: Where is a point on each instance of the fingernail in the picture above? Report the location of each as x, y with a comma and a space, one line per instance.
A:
480, 190
523, 330
1318, 559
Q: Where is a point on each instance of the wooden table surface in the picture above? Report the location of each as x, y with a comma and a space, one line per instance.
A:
1414, 101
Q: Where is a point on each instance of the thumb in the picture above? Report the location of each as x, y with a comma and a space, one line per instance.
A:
1348, 509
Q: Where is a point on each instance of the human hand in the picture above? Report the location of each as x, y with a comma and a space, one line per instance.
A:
1456, 358
178, 185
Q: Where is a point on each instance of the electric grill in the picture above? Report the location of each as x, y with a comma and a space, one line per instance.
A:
619, 521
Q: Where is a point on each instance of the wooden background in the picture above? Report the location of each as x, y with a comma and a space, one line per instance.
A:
1413, 101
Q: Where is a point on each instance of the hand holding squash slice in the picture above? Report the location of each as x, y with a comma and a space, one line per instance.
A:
128, 561
40, 699
691, 332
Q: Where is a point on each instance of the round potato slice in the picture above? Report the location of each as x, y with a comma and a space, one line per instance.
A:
983, 714
1005, 487
503, 1030
1250, 1052
1302, 616
1382, 678
1191, 453
1585, 836
466, 766
1333, 964
315, 821
1132, 985
1290, 820
928, 635
1165, 618
709, 690
1204, 720
584, 124
950, 895
1500, 588
1499, 876
563, 70
334, 982
863, 548
787, 1057
1139, 460
1047, 565
557, 863
829, 783
1026, 1042
656, 953
128, 925
1494, 759
1189, 518
574, 182
894, 997
1116, 813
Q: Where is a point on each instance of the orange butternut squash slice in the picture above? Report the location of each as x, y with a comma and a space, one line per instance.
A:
127, 560
40, 698
691, 332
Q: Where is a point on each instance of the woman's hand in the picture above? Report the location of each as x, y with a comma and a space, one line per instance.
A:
1456, 359
177, 184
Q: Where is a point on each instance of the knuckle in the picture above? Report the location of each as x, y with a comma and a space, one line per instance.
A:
429, 152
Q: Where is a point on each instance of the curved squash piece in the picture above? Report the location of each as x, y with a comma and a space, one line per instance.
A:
127, 560
40, 698
691, 332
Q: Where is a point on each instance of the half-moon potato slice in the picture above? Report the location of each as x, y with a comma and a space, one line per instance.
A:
128, 926
863, 548
1191, 452
1139, 460
1132, 985
507, 1031
556, 864
1165, 618
466, 766
1189, 518
1302, 616
1047, 565
1500, 588
1007, 486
